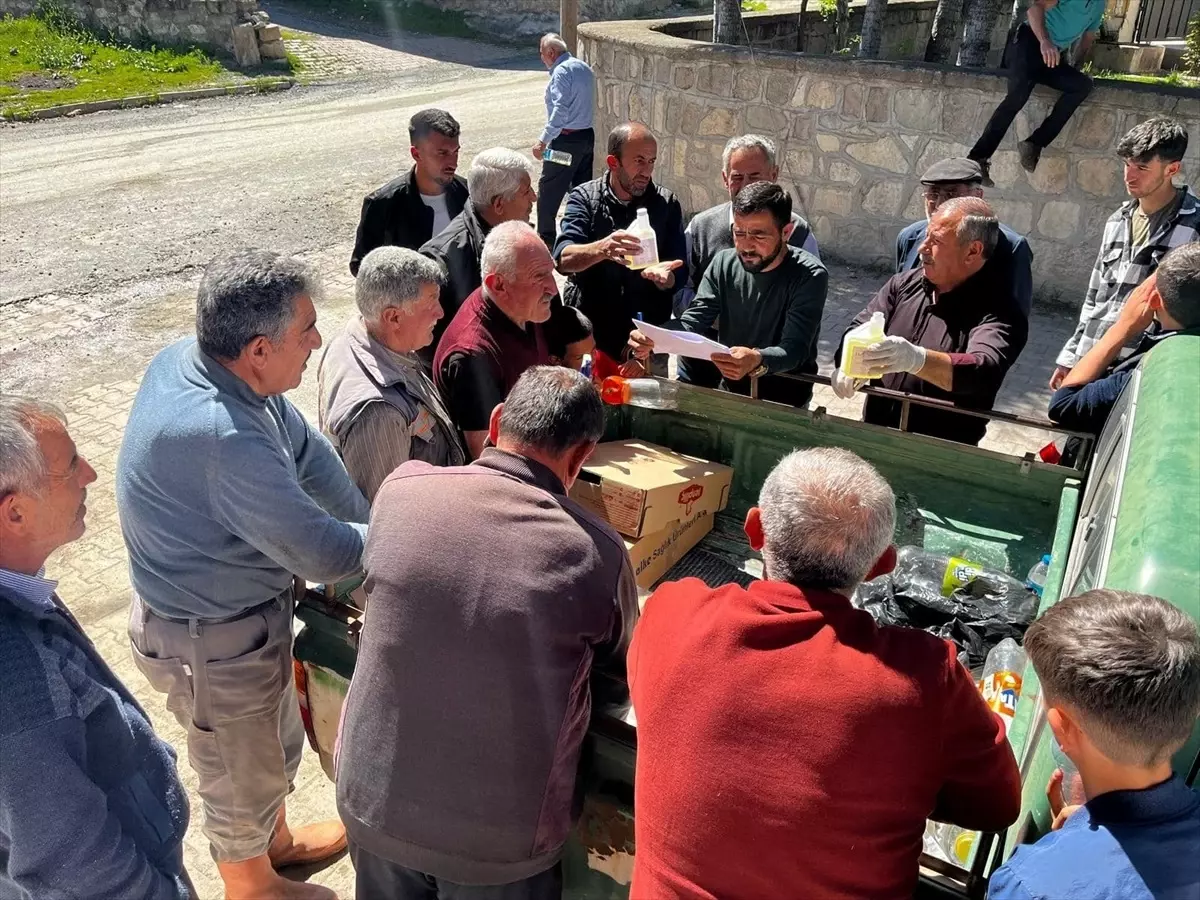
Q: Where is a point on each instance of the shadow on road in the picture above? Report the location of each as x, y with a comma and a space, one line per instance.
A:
463, 51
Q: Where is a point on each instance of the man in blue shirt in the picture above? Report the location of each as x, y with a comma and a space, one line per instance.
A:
90, 801
568, 130
1120, 676
225, 492
955, 177
1037, 55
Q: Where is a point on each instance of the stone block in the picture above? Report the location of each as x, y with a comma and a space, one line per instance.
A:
885, 153
765, 119
798, 164
802, 128
1016, 214
658, 120
779, 89
1051, 175
747, 84
272, 50
878, 104
268, 33
692, 114
821, 94
620, 64
835, 200
662, 70
699, 159
829, 143
842, 171
702, 197
1098, 175
960, 110
679, 153
852, 101
918, 109
1006, 169
1059, 219
915, 208
684, 77
1095, 127
245, 45
718, 122
884, 199
716, 80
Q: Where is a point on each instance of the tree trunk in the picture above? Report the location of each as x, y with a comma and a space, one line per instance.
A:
980, 18
841, 25
801, 28
947, 25
872, 29
727, 22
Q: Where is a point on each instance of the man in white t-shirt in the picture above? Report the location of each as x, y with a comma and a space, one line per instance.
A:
409, 210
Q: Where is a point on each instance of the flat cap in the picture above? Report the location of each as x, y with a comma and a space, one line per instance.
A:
954, 170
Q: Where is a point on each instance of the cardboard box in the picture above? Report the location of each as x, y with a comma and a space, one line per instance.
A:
653, 554
641, 488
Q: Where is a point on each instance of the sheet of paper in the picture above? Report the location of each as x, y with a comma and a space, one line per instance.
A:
681, 343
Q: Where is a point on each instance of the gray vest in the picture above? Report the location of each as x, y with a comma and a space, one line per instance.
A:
710, 232
356, 371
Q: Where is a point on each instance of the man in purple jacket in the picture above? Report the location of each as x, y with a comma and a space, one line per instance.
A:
952, 331
493, 600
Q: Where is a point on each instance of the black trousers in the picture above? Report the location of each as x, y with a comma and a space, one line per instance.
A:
1025, 70
556, 180
376, 878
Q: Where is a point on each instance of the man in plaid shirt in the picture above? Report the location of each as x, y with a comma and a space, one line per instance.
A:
1159, 218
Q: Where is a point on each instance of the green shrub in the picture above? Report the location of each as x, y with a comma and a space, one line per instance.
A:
1191, 56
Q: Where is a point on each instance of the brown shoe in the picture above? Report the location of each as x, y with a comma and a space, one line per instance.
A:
254, 879
307, 844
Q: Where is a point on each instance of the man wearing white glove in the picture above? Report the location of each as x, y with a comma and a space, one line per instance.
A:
951, 334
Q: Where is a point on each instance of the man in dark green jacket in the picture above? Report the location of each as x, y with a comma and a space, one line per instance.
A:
765, 298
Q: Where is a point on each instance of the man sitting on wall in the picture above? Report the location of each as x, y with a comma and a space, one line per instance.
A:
952, 333
765, 298
950, 178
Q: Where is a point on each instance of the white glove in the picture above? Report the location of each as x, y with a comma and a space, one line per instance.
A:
845, 386
894, 354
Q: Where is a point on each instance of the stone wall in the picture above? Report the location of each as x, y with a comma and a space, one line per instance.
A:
855, 135
207, 23
536, 17
906, 28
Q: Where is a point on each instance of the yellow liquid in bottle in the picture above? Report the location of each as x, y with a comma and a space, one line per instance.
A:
856, 343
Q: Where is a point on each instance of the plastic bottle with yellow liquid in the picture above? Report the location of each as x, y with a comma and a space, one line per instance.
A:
641, 229
857, 340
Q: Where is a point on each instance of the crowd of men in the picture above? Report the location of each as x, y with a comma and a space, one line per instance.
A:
453, 422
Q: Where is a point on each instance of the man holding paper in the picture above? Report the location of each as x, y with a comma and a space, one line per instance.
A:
765, 298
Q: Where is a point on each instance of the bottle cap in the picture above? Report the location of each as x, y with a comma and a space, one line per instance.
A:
1046, 559
614, 390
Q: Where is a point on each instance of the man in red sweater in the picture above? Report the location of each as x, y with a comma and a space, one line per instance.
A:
787, 745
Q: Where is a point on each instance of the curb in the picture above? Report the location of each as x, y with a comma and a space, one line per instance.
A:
72, 109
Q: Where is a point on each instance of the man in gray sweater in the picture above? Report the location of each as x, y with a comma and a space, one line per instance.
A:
493, 601
225, 492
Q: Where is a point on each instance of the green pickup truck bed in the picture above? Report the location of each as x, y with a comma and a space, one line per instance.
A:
1001, 511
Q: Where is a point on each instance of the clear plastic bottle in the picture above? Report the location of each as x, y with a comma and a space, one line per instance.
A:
652, 393
561, 157
1036, 579
642, 230
956, 843
1072, 783
856, 341
1001, 683
946, 574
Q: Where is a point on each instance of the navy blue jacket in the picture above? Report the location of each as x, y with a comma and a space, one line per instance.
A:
90, 802
1012, 256
1123, 845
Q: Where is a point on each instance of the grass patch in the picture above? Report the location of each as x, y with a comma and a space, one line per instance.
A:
754, 5
51, 61
394, 16
1173, 78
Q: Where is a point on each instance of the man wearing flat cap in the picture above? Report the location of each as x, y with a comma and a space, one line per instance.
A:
958, 177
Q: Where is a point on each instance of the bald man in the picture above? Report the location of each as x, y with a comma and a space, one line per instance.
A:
594, 243
952, 331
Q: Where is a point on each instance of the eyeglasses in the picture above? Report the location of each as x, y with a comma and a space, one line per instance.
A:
757, 236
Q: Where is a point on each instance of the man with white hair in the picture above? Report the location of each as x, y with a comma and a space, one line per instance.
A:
377, 406
568, 130
497, 333
501, 191
820, 732
90, 799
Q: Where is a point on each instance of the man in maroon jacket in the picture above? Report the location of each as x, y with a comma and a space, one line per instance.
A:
953, 329
787, 745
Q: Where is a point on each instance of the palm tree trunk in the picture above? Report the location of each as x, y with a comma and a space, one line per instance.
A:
841, 24
947, 25
979, 20
727, 22
872, 29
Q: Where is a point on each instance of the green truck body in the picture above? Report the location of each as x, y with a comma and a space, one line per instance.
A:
1132, 523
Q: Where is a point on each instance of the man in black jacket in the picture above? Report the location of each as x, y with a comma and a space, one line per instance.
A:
501, 191
409, 210
593, 244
